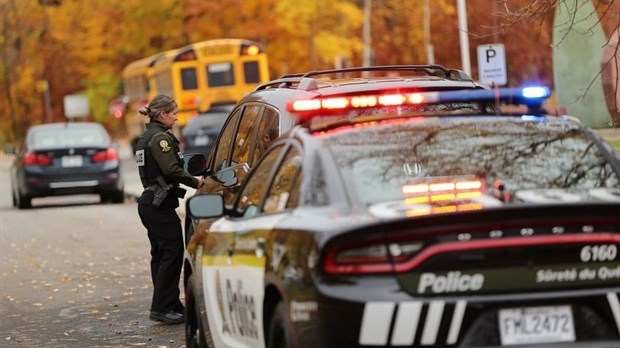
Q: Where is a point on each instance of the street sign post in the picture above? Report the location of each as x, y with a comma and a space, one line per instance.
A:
492, 64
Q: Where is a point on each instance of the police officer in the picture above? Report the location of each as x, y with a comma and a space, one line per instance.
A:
160, 164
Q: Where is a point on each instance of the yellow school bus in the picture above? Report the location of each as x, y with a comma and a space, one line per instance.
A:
210, 72
139, 88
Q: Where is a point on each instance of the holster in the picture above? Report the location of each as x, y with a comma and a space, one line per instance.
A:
161, 193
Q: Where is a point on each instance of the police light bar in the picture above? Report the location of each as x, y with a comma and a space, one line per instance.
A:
530, 96
441, 190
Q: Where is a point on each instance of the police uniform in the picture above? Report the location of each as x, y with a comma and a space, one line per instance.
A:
158, 154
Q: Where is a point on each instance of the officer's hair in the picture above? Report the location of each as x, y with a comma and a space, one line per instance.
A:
157, 105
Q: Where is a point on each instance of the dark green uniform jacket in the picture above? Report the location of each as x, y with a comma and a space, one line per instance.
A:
158, 153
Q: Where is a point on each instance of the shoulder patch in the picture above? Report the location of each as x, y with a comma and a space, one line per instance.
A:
164, 145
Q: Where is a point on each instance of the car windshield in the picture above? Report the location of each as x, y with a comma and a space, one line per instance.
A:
521, 155
61, 137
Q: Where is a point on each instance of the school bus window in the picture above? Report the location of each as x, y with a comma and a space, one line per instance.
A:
251, 72
189, 78
220, 74
163, 83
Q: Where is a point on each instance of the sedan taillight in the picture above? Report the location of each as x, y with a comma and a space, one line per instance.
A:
108, 155
33, 159
369, 257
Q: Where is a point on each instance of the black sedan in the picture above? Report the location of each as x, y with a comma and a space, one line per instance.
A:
432, 228
66, 159
200, 132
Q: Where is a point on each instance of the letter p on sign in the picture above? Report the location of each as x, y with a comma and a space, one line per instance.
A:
492, 64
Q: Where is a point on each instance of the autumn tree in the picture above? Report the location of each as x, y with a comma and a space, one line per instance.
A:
82, 46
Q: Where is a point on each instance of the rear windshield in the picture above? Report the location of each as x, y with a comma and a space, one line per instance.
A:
61, 137
521, 155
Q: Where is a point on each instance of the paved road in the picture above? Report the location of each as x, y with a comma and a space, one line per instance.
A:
75, 273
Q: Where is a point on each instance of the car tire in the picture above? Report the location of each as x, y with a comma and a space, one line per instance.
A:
23, 202
196, 336
279, 334
14, 198
112, 197
118, 197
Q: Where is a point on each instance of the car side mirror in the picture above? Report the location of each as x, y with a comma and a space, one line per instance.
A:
195, 164
206, 206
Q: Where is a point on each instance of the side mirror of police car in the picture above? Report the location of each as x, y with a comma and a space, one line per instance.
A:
206, 206
195, 164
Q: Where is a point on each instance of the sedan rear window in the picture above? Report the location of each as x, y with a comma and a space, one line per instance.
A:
58, 137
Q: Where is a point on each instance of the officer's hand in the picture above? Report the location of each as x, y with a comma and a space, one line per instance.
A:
200, 182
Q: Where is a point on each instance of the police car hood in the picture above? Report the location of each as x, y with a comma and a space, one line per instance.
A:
543, 197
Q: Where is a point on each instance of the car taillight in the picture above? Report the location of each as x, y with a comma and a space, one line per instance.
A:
108, 155
369, 257
32, 158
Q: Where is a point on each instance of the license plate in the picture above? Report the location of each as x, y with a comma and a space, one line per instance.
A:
201, 140
71, 161
531, 325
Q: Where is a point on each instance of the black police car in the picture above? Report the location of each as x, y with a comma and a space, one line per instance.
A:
260, 117
427, 219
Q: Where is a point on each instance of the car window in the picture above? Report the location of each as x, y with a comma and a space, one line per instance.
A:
282, 185
225, 142
47, 138
526, 158
257, 183
245, 134
293, 199
268, 131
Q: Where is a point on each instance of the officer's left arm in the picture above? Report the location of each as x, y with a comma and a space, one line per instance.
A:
162, 150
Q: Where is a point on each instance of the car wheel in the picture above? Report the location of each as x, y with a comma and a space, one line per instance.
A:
279, 334
195, 333
118, 197
112, 197
23, 202
14, 198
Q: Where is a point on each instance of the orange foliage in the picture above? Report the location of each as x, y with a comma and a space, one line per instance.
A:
82, 46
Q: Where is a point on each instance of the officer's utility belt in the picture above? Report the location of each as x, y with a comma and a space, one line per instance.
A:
162, 190
153, 187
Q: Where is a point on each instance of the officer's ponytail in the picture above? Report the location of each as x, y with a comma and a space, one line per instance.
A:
157, 105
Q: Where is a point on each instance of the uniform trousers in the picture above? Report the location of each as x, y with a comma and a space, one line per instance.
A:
166, 237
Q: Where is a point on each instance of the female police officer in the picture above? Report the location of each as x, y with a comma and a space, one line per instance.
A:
160, 164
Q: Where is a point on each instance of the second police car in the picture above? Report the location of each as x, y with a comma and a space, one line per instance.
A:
425, 219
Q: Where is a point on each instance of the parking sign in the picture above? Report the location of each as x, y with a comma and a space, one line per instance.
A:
492, 64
